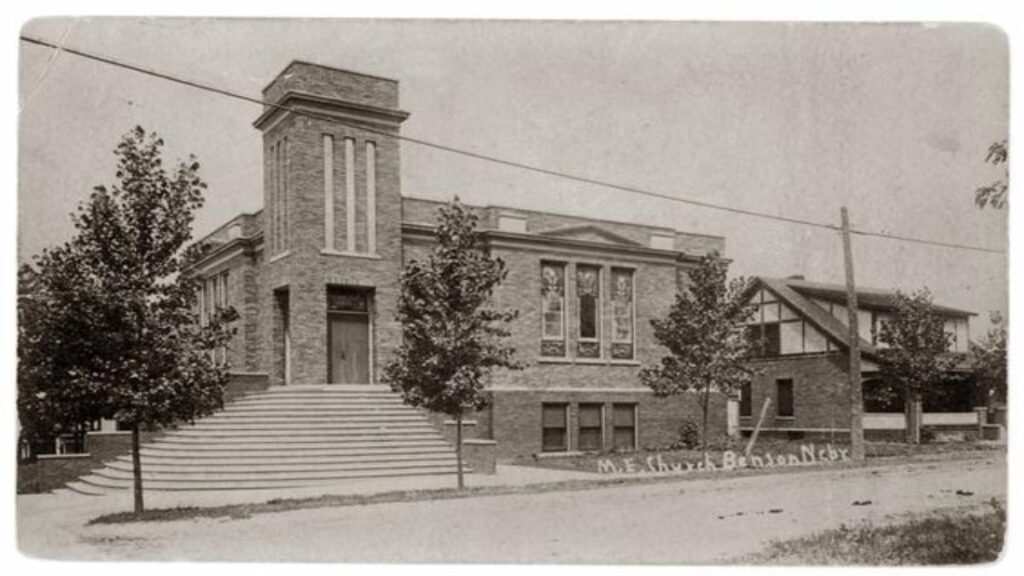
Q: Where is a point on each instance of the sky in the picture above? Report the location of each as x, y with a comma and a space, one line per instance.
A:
891, 120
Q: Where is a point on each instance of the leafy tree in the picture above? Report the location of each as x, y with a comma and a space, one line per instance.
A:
915, 353
451, 334
704, 332
110, 328
995, 193
988, 360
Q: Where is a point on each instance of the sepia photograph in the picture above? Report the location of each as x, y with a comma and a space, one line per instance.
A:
546, 292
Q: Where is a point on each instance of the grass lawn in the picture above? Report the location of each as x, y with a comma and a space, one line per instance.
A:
965, 536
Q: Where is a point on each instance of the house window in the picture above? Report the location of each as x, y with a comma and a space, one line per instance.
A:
588, 303
784, 397
553, 309
624, 432
746, 400
622, 314
765, 339
554, 421
591, 430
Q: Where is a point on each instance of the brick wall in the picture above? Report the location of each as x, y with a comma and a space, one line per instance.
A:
50, 473
305, 273
334, 83
820, 391
517, 417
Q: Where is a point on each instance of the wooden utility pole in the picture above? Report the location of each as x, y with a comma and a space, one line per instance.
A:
856, 394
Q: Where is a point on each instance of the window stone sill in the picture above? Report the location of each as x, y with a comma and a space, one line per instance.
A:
73, 456
346, 254
280, 256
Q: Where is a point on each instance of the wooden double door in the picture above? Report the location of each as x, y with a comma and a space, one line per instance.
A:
349, 344
348, 337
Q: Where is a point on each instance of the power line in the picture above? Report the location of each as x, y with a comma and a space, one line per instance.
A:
493, 159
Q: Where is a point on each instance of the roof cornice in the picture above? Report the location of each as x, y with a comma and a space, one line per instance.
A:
502, 238
298, 102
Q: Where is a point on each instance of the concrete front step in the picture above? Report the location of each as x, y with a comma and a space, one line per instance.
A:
97, 486
275, 420
109, 474
292, 437
320, 407
259, 461
342, 427
272, 411
303, 422
230, 450
175, 469
311, 439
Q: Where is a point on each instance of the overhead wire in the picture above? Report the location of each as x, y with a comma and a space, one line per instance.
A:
494, 159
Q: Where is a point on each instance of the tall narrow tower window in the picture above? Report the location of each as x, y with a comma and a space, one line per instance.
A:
328, 192
284, 194
371, 197
279, 196
272, 200
350, 194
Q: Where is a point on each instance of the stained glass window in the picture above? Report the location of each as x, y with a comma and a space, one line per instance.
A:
622, 314
553, 309
588, 296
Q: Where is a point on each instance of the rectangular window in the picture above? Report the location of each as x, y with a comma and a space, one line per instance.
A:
746, 400
279, 218
201, 301
350, 194
588, 305
224, 289
772, 340
784, 397
554, 421
591, 429
371, 197
764, 339
624, 422
210, 298
328, 151
223, 277
271, 200
622, 314
552, 309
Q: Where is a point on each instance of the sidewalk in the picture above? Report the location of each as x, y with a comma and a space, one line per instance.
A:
50, 521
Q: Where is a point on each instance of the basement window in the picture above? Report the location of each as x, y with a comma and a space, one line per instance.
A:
624, 431
591, 430
554, 423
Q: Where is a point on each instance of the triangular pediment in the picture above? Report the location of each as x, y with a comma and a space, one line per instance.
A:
589, 233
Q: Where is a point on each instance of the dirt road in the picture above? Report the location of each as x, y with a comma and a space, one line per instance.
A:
704, 521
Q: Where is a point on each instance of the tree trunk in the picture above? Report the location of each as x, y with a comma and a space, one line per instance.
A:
912, 411
137, 469
458, 449
704, 423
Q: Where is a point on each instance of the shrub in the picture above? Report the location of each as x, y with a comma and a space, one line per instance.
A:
927, 435
689, 435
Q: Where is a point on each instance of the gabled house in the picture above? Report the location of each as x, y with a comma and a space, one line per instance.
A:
801, 338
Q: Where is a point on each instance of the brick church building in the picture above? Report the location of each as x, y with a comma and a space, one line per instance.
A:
314, 276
